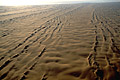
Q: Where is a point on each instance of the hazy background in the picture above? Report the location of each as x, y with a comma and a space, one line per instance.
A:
42, 2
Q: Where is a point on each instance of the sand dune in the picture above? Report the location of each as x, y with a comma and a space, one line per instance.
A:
60, 42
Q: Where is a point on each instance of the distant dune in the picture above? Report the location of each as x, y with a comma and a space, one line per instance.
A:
60, 42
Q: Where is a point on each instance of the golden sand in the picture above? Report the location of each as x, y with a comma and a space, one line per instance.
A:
60, 42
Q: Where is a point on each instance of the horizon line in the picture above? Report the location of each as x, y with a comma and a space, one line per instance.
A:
65, 2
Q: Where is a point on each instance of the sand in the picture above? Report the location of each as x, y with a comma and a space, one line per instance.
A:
60, 42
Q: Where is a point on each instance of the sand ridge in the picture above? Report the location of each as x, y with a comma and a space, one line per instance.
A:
60, 42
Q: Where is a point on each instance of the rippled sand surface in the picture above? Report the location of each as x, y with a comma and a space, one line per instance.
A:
60, 42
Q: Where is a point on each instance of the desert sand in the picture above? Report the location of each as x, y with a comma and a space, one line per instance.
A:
60, 42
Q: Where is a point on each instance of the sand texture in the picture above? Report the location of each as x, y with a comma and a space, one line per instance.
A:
60, 42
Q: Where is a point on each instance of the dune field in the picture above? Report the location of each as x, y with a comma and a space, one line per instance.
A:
60, 42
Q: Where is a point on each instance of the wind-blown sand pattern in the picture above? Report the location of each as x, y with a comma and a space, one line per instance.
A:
60, 42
